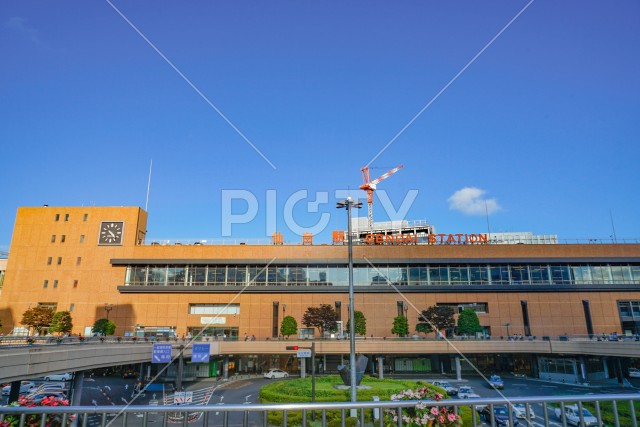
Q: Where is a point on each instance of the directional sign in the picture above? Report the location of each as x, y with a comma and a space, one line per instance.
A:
161, 353
178, 397
304, 353
188, 397
200, 353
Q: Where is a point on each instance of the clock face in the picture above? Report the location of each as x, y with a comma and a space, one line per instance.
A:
111, 233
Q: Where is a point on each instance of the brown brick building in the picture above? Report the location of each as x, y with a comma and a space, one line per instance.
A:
95, 262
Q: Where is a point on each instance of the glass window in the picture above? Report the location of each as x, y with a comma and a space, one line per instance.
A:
157, 275
621, 274
59, 260
600, 274
45, 284
236, 275
176, 275
635, 273
63, 238
479, 275
66, 217
439, 275
49, 259
539, 274
216, 275
318, 275
418, 276
635, 308
78, 260
71, 307
582, 274
57, 218
297, 276
378, 276
75, 285
519, 275
53, 238
82, 238
499, 274
258, 275
560, 275
55, 284
459, 274
197, 275
338, 276
86, 217
232, 309
625, 308
398, 276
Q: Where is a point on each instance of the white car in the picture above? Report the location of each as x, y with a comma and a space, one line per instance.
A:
466, 392
573, 416
520, 411
446, 386
25, 387
59, 377
634, 373
275, 373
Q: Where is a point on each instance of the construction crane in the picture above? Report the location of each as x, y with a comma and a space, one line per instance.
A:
370, 186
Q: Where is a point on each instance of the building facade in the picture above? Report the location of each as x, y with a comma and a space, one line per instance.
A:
96, 262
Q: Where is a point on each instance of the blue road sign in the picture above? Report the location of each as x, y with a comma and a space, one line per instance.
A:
200, 352
161, 353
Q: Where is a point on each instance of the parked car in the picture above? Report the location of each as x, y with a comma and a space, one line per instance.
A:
39, 397
446, 386
275, 373
572, 415
496, 382
500, 415
634, 373
520, 411
466, 392
25, 387
59, 377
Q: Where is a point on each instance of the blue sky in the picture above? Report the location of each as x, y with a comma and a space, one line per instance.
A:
544, 122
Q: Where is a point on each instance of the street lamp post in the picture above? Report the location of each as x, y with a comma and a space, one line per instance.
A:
348, 204
108, 308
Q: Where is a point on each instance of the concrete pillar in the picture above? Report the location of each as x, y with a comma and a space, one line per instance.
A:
303, 367
225, 368
324, 363
141, 371
583, 370
458, 369
78, 379
380, 366
14, 392
618, 366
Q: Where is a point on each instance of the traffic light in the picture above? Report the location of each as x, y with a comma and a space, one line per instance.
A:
292, 347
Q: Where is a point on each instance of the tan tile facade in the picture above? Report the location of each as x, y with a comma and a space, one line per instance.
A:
86, 279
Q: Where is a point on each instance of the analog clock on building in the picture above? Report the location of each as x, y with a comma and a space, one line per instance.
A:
111, 233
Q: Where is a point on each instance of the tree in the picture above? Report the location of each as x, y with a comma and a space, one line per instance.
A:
37, 318
360, 323
324, 318
435, 318
103, 327
289, 326
400, 326
61, 322
468, 322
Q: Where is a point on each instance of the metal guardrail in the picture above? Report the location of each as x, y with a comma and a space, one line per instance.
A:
622, 409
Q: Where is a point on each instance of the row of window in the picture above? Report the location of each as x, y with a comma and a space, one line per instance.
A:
45, 284
630, 309
66, 217
63, 238
322, 275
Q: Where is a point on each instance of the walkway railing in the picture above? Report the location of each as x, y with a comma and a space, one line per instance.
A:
620, 410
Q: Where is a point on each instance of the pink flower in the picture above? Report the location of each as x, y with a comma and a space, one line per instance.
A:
440, 418
434, 411
439, 396
451, 417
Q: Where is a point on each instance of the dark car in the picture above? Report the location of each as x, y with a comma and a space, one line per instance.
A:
500, 415
129, 373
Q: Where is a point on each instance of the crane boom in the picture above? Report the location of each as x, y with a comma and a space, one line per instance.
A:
370, 186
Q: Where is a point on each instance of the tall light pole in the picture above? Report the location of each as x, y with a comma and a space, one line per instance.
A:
348, 204
108, 308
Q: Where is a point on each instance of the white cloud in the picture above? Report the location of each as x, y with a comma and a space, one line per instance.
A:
470, 201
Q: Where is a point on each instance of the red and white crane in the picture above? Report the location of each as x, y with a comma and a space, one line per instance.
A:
370, 186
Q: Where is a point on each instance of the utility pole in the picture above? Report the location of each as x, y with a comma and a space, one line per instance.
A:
180, 368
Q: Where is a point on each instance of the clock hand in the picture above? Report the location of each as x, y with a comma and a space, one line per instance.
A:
111, 232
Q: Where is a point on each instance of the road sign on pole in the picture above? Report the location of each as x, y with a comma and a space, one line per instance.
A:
161, 353
304, 353
200, 353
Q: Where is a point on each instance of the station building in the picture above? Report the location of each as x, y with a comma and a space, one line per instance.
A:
97, 262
